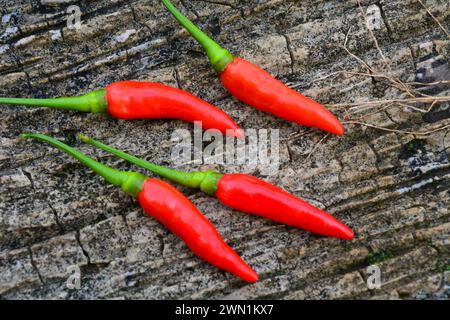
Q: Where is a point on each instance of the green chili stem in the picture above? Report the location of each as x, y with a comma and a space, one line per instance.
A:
218, 56
206, 180
131, 182
94, 101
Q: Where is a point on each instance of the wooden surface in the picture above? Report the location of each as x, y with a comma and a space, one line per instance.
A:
392, 187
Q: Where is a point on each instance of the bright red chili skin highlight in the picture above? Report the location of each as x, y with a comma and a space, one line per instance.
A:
170, 207
252, 195
255, 87
149, 100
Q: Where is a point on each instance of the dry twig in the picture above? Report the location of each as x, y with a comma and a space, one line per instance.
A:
433, 99
434, 18
417, 133
317, 145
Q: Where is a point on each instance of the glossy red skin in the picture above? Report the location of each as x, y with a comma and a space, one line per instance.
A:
170, 207
259, 89
252, 195
149, 100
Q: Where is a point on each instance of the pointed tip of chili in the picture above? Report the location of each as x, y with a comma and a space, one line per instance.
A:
331, 125
249, 275
339, 130
344, 232
337, 229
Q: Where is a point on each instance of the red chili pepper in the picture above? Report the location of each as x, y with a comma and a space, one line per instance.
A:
142, 100
256, 87
252, 195
170, 207
248, 194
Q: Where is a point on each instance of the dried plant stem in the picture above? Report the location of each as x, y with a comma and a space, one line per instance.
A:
365, 74
317, 145
433, 99
434, 18
417, 133
375, 40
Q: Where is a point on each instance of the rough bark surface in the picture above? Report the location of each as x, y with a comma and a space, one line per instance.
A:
393, 188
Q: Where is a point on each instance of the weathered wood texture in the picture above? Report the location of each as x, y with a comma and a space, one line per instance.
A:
392, 188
